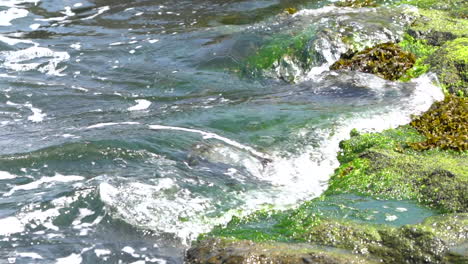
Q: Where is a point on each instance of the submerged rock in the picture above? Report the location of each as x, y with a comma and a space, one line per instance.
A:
386, 60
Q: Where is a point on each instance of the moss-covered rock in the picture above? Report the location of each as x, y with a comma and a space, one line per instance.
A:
338, 241
428, 242
450, 63
386, 60
438, 27
455, 8
383, 165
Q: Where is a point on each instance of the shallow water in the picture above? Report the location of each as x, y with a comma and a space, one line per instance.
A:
128, 127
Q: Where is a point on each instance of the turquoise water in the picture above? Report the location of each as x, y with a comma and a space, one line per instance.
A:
127, 128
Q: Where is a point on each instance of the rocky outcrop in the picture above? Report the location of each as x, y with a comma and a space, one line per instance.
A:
450, 63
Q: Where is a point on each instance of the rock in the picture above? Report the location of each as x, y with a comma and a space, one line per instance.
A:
428, 242
223, 251
383, 165
450, 63
438, 27
339, 241
386, 60
309, 40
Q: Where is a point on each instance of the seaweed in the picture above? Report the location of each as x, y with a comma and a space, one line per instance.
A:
445, 125
386, 60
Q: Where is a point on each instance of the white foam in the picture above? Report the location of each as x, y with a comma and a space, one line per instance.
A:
15, 3
72, 259
100, 11
18, 60
141, 105
291, 179
76, 46
58, 178
6, 16
35, 26
32, 255
13, 41
391, 218
10, 225
111, 124
128, 250
102, 252
4, 175
37, 115
207, 135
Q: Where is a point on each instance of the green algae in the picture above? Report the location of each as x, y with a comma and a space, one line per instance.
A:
450, 63
422, 51
455, 8
383, 165
292, 45
386, 60
438, 27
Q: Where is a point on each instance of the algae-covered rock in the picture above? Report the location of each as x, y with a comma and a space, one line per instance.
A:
454, 8
386, 60
383, 165
438, 27
311, 39
450, 63
218, 251
428, 242
339, 241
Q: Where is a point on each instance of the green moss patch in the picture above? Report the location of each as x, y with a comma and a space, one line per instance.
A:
291, 45
422, 51
386, 60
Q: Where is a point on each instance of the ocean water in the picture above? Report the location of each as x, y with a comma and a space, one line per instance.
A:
127, 128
